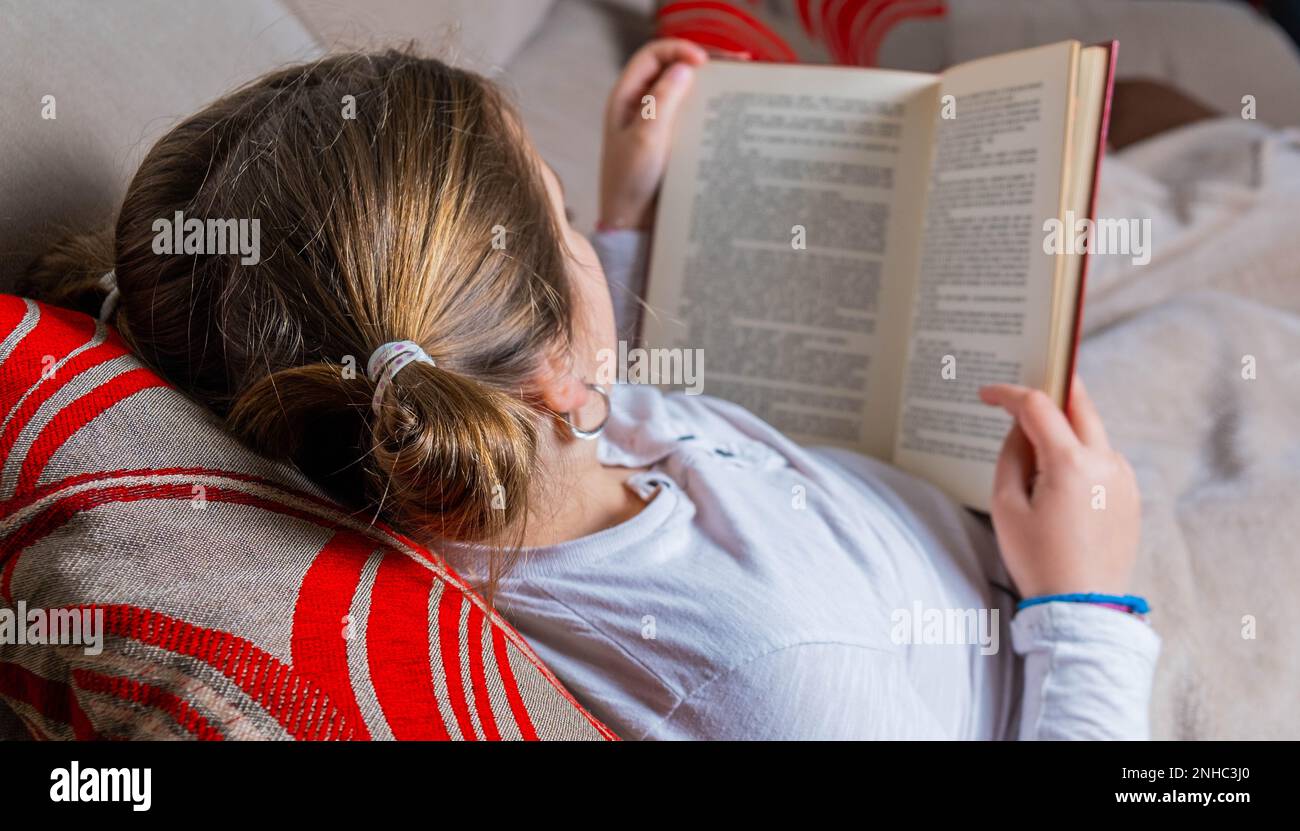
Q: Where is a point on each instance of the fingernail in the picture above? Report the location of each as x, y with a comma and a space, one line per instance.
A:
678, 72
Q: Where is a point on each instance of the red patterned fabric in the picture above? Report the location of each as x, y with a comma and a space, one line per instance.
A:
846, 32
237, 601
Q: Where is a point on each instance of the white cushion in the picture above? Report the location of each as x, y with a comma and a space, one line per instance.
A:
480, 34
121, 75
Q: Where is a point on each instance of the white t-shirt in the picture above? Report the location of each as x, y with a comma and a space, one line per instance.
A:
772, 592
769, 591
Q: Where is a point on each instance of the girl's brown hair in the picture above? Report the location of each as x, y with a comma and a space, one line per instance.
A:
373, 228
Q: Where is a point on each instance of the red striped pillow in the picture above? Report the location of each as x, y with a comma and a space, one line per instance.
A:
236, 600
849, 32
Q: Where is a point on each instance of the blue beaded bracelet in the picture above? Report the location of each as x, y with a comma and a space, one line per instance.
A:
1132, 602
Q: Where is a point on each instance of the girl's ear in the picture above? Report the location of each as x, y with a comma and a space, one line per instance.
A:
558, 388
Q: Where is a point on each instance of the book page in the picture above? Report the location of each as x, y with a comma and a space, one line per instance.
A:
984, 301
1087, 140
786, 242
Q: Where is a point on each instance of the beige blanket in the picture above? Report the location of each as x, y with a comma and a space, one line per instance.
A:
1194, 360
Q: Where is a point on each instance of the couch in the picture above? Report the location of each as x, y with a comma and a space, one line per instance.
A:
122, 72
117, 75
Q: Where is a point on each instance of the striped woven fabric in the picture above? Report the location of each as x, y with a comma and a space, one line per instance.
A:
236, 601
847, 32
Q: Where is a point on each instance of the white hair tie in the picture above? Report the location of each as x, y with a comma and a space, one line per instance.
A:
388, 360
109, 282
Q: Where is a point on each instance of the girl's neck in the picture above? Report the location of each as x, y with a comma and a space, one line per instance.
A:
579, 497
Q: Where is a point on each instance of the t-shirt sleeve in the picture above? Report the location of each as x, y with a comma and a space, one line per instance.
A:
805, 691
624, 256
1088, 672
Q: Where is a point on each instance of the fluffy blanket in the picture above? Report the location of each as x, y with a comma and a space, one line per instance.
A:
1192, 359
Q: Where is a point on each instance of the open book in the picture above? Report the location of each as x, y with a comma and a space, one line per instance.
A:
857, 251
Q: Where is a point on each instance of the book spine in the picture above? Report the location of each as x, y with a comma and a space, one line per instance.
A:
1103, 131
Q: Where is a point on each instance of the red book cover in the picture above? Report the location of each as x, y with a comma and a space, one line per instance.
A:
1113, 48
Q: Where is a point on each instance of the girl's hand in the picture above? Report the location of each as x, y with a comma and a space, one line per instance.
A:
1066, 507
636, 146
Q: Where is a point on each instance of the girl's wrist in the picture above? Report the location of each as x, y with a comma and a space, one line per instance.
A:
605, 225
625, 215
1130, 603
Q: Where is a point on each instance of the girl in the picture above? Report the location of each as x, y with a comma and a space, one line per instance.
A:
663, 571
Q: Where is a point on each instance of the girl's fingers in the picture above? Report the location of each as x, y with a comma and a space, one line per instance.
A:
715, 52
1084, 417
670, 90
648, 64
1044, 424
671, 50
1013, 476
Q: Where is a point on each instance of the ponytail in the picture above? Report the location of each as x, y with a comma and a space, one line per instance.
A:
370, 226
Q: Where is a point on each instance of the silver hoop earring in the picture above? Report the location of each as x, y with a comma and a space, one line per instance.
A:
588, 435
